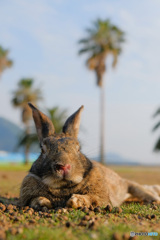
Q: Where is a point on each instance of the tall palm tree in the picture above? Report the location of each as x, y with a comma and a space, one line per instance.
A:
102, 40
157, 126
4, 61
26, 93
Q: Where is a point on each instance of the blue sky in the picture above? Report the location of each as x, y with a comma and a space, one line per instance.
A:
42, 37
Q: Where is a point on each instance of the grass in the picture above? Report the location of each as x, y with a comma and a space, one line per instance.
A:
72, 224
9, 167
107, 225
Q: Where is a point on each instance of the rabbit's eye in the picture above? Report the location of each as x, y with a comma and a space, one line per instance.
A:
78, 148
43, 148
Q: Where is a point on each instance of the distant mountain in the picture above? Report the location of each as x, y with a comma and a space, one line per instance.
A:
116, 159
9, 133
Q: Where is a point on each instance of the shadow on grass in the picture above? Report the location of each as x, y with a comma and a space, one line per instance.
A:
11, 200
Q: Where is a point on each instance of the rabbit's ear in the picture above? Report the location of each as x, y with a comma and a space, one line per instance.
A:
71, 125
43, 124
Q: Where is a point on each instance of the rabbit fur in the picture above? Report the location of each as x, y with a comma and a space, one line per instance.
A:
63, 176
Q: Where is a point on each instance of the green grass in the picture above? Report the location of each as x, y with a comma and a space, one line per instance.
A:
132, 218
14, 167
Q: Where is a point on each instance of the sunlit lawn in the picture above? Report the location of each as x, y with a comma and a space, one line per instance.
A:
70, 225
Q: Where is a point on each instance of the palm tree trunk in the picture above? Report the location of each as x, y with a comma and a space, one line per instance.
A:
102, 123
26, 151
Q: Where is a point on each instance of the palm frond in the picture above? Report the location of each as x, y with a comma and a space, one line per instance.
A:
102, 38
28, 139
157, 146
157, 112
88, 49
58, 117
156, 126
84, 40
5, 62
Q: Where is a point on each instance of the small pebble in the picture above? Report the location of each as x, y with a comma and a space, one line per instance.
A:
16, 219
97, 209
85, 209
153, 216
26, 208
91, 208
65, 218
68, 224
32, 221
10, 207
83, 223
64, 210
91, 224
108, 208
2, 207
29, 212
10, 211
155, 207
148, 216
125, 236
117, 210
116, 236
86, 217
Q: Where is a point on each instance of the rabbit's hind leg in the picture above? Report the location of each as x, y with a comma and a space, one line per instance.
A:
142, 193
155, 189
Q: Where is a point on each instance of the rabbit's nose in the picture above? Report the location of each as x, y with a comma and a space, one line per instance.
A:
64, 168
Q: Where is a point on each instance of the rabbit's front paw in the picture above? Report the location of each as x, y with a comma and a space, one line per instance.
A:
78, 200
41, 203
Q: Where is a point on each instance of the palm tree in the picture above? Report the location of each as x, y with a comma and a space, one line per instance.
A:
103, 39
58, 117
157, 126
26, 93
4, 61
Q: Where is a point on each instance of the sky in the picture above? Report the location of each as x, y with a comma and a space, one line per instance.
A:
42, 36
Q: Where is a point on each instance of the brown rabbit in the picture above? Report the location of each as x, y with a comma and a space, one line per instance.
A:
63, 176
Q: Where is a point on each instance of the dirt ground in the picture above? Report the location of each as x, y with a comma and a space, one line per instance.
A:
143, 175
10, 182
65, 223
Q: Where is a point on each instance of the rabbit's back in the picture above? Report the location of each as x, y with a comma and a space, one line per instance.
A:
116, 186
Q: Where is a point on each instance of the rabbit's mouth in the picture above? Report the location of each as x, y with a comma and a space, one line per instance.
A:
63, 170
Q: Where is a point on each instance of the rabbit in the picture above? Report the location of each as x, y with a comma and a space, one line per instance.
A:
63, 176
